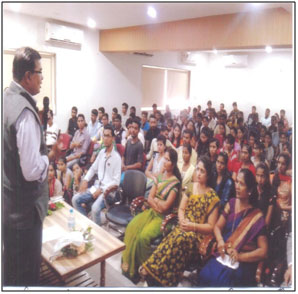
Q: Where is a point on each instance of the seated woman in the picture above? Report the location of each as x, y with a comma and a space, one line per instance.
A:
245, 161
222, 181
241, 239
186, 168
221, 136
55, 187
175, 138
259, 154
156, 164
64, 175
77, 177
145, 227
213, 151
197, 214
263, 191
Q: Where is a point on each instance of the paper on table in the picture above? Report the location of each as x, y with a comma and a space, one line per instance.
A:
52, 233
227, 262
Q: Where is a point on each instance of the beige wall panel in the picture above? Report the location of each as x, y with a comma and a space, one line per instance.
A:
243, 30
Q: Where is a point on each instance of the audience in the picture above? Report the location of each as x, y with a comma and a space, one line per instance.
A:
242, 155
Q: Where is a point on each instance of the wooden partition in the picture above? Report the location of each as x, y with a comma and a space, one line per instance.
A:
230, 31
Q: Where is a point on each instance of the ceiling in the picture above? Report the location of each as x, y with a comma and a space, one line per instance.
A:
116, 15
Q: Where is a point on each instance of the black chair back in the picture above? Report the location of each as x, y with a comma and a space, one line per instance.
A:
134, 184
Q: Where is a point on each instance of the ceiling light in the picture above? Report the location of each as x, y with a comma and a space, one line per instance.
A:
268, 49
214, 51
16, 7
91, 23
151, 12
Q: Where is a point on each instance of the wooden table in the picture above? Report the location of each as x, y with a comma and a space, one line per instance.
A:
105, 244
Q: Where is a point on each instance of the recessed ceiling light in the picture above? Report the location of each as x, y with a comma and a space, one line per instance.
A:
151, 12
256, 4
16, 7
268, 49
91, 23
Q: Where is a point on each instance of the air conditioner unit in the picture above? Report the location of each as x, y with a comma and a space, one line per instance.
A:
65, 34
188, 58
235, 60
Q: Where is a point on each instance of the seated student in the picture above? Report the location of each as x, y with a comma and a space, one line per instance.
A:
160, 119
259, 154
222, 119
283, 119
133, 154
222, 110
151, 133
263, 131
108, 168
175, 138
241, 136
266, 120
252, 138
80, 142
114, 114
186, 168
229, 149
153, 148
240, 224
55, 186
145, 124
264, 192
190, 125
269, 150
187, 136
118, 129
72, 123
145, 227
282, 139
64, 175
198, 124
205, 123
132, 112
104, 122
212, 120
221, 135
213, 150
126, 135
101, 112
52, 131
125, 115
170, 126
197, 215
253, 116
77, 178
156, 164
203, 142
222, 181
244, 162
235, 112
94, 126
209, 108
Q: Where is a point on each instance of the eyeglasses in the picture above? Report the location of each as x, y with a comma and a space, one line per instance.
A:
37, 71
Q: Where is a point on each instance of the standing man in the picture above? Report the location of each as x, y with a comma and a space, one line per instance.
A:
266, 120
25, 185
125, 114
72, 123
94, 126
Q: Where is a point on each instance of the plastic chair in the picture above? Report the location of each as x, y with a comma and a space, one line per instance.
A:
120, 149
119, 214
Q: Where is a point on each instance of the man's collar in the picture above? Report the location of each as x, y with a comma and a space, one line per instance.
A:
23, 90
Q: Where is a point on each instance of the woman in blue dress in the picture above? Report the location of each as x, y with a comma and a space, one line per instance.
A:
241, 240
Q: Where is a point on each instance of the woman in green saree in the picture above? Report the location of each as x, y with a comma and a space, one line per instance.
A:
145, 227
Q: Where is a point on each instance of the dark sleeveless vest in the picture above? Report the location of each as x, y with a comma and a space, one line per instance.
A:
21, 199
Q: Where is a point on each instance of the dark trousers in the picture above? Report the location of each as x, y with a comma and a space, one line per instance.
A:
22, 255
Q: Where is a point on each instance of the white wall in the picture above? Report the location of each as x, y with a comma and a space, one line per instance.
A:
88, 78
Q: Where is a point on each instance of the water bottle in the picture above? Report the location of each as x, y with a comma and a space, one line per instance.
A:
71, 220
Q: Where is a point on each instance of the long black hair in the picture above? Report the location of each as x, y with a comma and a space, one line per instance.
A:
276, 179
251, 184
174, 160
208, 167
225, 176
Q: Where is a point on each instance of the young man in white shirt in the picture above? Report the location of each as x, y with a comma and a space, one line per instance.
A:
52, 131
108, 168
